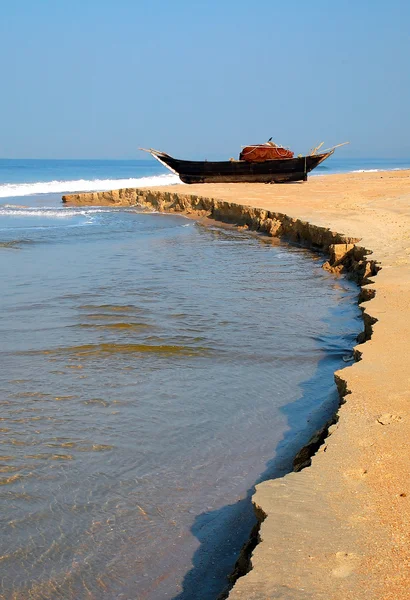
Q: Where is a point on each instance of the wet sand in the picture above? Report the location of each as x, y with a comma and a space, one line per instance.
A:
339, 529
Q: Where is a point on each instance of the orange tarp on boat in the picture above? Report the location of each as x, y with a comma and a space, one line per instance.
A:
262, 152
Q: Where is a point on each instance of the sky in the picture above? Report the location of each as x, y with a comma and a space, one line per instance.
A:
198, 79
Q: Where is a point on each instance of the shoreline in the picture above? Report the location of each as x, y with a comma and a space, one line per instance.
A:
58, 186
339, 528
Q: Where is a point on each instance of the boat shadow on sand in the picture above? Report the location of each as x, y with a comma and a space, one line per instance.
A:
222, 533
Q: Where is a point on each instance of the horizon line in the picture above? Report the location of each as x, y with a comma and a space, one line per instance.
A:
370, 157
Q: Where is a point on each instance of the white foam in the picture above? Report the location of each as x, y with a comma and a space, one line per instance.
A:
367, 170
379, 170
10, 190
335, 171
11, 210
35, 212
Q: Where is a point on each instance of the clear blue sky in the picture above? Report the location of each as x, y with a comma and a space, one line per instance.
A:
99, 78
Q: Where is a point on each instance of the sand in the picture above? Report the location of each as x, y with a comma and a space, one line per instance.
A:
339, 529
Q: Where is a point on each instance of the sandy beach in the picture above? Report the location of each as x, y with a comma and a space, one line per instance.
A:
338, 529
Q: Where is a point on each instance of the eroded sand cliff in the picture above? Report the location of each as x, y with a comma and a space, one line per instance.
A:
338, 529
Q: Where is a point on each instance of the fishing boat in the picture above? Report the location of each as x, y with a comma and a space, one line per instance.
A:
259, 163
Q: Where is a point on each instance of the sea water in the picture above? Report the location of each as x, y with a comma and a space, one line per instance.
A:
152, 371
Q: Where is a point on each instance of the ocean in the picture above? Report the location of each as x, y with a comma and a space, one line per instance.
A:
153, 370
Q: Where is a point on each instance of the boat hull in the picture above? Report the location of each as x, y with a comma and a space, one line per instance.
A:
270, 171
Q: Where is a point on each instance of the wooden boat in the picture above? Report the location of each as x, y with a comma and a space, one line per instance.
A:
278, 170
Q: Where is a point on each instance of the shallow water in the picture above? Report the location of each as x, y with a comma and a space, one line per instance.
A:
152, 371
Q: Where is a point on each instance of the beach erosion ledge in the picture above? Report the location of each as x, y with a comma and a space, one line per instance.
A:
336, 527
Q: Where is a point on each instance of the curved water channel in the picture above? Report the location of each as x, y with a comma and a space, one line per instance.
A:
152, 371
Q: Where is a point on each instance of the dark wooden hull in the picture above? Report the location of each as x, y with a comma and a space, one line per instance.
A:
270, 171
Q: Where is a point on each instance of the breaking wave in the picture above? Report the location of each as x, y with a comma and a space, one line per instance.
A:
12, 210
379, 170
370, 170
8, 190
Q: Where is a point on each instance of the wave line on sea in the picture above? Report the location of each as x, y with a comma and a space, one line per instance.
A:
10, 190
14, 210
